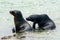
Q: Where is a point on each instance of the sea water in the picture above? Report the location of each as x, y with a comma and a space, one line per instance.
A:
29, 7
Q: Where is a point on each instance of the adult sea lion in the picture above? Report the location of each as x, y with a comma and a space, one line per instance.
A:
21, 25
43, 21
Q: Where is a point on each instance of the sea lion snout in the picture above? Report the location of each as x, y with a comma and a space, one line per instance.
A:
27, 18
16, 13
30, 19
12, 12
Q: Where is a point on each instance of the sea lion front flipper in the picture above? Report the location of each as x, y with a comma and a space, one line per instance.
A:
34, 25
13, 30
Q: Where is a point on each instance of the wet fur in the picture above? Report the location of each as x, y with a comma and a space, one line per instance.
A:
20, 24
43, 21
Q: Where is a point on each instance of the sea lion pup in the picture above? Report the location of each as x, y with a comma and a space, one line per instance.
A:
21, 25
43, 21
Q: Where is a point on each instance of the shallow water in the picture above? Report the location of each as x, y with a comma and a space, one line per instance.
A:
29, 7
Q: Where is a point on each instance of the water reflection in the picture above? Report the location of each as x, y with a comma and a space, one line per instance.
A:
20, 35
35, 35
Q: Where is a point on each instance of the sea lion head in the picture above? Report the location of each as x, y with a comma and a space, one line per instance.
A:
16, 13
32, 18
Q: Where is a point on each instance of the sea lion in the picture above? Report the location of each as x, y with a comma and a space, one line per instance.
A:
43, 21
21, 25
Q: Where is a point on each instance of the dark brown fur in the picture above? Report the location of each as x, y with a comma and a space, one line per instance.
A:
20, 24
